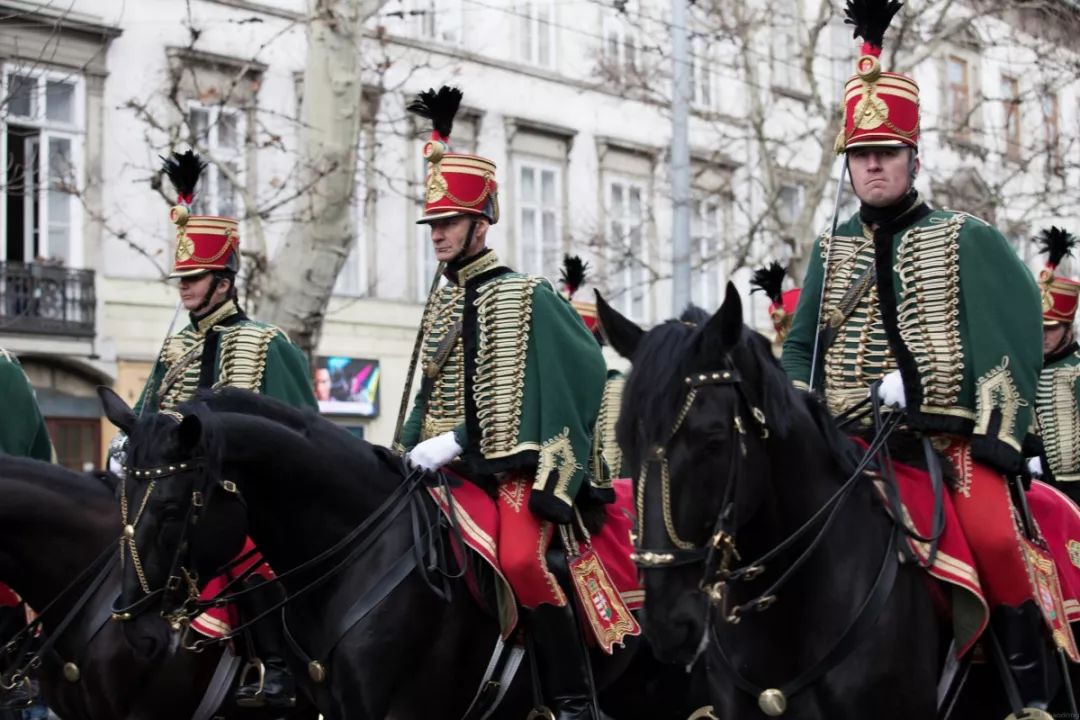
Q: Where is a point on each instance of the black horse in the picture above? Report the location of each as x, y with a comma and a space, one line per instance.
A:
55, 525
744, 462
300, 485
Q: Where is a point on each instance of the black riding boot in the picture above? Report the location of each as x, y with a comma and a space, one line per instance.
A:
1023, 637
565, 679
266, 680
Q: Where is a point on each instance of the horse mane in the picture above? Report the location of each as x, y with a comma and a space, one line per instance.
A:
667, 354
655, 387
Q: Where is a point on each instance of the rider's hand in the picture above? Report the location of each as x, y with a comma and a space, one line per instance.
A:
1034, 465
891, 390
434, 452
118, 455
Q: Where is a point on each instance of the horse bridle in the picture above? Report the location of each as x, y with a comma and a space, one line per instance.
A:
720, 550
179, 578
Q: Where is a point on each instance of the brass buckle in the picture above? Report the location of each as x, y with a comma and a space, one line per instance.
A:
541, 713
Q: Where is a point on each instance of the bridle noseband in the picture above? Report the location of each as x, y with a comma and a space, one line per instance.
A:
719, 552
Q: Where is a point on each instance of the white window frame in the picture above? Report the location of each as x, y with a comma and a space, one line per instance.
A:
616, 27
800, 192
531, 250
208, 191
536, 31
426, 25
709, 222
703, 89
786, 46
357, 260
620, 275
74, 132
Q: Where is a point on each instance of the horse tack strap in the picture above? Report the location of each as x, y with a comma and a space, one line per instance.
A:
867, 615
219, 685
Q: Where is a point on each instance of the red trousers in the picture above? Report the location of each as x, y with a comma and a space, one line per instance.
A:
985, 510
522, 544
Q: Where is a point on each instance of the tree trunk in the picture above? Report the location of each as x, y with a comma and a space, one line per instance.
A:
303, 271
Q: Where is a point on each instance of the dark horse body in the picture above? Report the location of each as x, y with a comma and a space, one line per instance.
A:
55, 524
777, 471
305, 483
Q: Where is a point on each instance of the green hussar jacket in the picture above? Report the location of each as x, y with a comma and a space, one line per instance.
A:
22, 428
1058, 411
952, 307
511, 369
226, 349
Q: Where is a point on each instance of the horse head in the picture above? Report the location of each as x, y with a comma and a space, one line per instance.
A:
182, 521
700, 401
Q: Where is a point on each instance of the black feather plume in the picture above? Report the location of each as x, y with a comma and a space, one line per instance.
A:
871, 18
770, 280
184, 171
1056, 243
574, 272
439, 107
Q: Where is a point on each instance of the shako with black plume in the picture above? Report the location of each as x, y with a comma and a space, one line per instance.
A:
880, 108
1060, 294
204, 243
455, 184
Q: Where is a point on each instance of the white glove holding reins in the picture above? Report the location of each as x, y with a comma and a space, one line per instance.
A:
1035, 467
891, 390
434, 452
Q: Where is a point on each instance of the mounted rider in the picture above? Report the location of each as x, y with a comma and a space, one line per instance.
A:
512, 382
1057, 402
912, 297
573, 276
222, 347
22, 434
770, 280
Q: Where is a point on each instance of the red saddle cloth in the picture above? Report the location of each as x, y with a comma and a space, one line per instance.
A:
477, 516
1056, 517
8, 598
219, 621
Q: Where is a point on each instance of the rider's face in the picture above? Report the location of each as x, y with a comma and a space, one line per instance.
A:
194, 289
449, 237
880, 175
1054, 337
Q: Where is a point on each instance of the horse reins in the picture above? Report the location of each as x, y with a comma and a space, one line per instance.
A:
720, 550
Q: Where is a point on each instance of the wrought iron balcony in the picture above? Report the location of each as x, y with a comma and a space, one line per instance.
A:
46, 299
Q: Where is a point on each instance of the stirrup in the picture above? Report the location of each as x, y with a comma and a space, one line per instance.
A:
259, 697
1031, 714
543, 712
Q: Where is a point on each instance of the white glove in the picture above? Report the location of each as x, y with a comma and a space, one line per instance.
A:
1035, 467
116, 467
891, 390
434, 452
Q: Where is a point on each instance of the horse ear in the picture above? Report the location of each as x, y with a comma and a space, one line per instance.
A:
623, 334
116, 409
725, 326
190, 433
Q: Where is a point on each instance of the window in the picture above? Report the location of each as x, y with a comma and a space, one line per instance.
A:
1053, 132
218, 133
957, 96
42, 139
627, 278
352, 280
76, 441
439, 20
620, 46
538, 33
539, 220
1010, 91
706, 230
789, 202
703, 81
786, 47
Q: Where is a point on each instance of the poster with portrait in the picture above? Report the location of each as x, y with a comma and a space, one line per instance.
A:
347, 386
